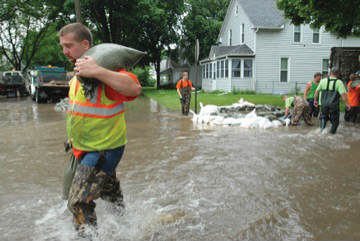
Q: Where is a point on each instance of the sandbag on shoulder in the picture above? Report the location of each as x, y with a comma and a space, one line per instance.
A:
355, 83
112, 57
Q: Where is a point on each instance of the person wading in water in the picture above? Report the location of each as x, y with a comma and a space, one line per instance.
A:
184, 87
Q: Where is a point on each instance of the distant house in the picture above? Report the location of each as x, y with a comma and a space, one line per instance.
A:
171, 70
261, 51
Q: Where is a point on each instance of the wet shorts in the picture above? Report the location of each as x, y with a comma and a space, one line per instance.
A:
113, 158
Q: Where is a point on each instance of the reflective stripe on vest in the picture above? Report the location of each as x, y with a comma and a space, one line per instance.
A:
94, 107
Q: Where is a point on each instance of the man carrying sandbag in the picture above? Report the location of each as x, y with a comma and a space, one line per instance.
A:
95, 126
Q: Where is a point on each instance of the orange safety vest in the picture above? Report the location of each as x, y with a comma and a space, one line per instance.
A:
353, 95
94, 124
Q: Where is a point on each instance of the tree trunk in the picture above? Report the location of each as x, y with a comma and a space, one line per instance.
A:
77, 11
157, 68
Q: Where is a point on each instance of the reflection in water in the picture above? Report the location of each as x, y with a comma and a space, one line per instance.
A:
183, 181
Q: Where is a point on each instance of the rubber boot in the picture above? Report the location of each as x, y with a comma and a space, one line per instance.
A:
322, 124
333, 129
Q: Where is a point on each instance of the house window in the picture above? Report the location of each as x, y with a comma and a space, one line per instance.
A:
325, 67
248, 68
236, 67
210, 71
236, 10
284, 70
230, 37
203, 71
222, 69
316, 36
218, 69
214, 74
206, 71
226, 68
242, 33
297, 34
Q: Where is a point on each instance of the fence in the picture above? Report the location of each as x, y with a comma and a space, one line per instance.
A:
278, 88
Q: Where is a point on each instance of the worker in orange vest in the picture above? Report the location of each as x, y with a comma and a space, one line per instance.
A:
353, 96
184, 87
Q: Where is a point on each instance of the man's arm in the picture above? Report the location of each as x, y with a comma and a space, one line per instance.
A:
287, 110
120, 82
307, 88
178, 90
345, 98
316, 98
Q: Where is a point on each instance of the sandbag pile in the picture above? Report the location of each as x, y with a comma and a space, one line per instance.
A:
62, 106
241, 114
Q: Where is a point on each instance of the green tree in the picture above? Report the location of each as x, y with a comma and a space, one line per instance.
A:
340, 17
202, 21
147, 25
50, 52
23, 32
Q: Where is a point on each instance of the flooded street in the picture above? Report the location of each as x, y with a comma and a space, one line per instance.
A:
183, 181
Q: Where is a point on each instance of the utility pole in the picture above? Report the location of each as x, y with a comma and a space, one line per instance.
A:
77, 11
197, 51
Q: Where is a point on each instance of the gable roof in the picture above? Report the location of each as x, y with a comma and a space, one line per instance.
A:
263, 13
224, 51
241, 49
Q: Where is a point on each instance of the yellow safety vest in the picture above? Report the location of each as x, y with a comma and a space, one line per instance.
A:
94, 124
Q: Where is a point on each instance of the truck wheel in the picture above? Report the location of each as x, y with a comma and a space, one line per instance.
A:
37, 97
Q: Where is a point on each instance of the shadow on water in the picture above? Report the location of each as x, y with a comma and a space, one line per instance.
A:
183, 181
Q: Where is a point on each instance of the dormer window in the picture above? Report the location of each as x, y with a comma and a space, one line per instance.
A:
297, 34
236, 10
230, 37
316, 36
242, 33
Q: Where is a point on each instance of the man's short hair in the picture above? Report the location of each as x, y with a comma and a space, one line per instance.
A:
81, 32
317, 74
334, 70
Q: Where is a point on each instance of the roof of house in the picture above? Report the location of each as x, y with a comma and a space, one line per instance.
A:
263, 13
223, 51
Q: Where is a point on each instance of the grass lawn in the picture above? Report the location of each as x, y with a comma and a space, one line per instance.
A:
170, 98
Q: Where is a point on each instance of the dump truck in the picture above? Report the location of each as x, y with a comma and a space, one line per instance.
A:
48, 83
347, 60
12, 84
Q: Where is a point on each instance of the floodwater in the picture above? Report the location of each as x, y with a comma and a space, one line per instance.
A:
183, 181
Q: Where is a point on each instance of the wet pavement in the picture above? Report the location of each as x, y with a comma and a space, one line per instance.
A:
183, 181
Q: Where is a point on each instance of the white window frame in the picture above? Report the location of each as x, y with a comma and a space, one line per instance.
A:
300, 32
210, 71
243, 68
287, 69
325, 72
218, 69
203, 71
236, 10
242, 33
230, 37
313, 33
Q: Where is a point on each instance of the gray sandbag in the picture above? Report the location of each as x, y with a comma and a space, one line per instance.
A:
355, 83
69, 175
112, 57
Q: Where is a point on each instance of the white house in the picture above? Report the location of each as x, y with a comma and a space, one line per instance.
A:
261, 51
171, 70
